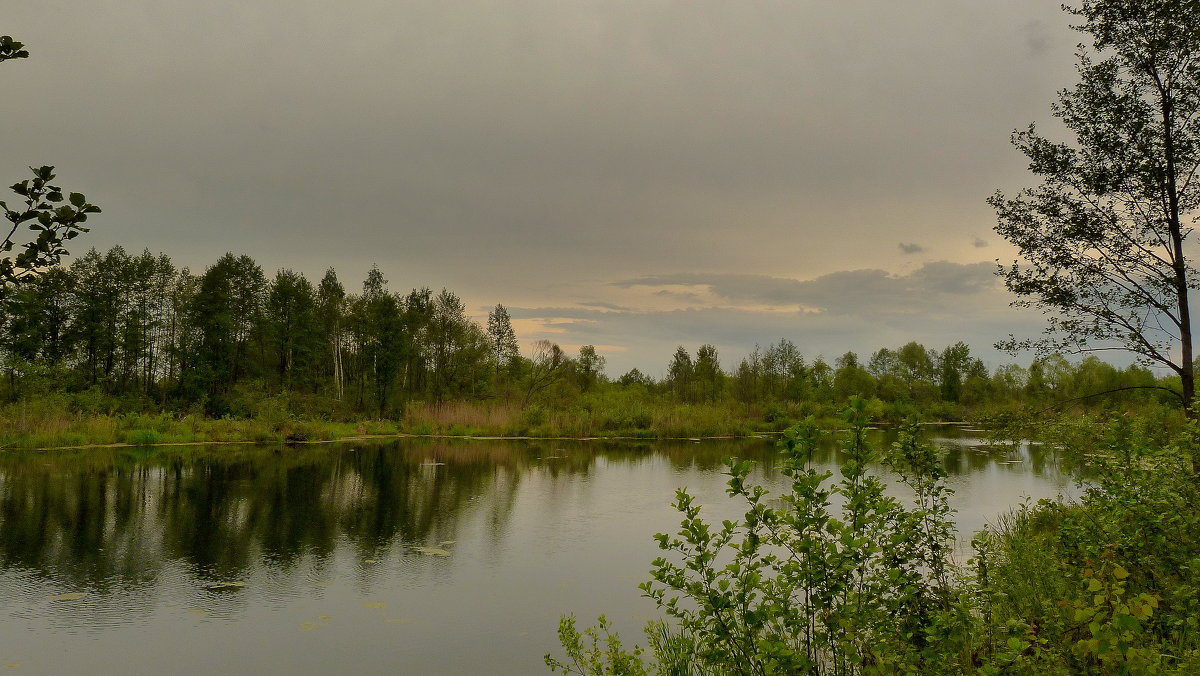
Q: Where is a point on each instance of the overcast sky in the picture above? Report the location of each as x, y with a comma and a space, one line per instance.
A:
633, 174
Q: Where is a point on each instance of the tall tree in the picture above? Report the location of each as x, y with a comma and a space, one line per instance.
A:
547, 366
851, 379
680, 372
955, 365
1103, 234
589, 367
331, 306
707, 377
448, 334
98, 306
501, 337
418, 318
38, 314
182, 335
292, 329
225, 311
382, 335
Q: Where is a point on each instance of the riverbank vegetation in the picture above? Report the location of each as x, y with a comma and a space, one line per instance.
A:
836, 577
120, 348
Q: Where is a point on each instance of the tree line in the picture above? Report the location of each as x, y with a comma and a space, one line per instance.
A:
146, 334
141, 328
911, 374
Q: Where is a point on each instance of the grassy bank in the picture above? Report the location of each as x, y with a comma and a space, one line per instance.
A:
61, 420
51, 423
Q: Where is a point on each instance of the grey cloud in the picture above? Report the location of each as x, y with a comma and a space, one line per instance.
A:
482, 135
649, 337
679, 295
911, 248
862, 310
979, 243
520, 151
1037, 38
604, 306
844, 292
565, 311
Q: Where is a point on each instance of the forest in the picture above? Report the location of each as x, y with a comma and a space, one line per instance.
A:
115, 334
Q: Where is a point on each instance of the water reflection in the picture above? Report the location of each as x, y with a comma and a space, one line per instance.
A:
533, 529
99, 515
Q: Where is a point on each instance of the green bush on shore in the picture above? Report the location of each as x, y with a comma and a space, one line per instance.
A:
1107, 584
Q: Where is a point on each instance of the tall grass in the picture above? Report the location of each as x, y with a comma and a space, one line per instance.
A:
58, 420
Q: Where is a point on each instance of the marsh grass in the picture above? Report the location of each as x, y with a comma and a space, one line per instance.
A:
86, 418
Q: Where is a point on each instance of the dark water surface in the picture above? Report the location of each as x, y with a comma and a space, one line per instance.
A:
111, 559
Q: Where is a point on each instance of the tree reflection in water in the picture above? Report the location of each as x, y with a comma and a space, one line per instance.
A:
98, 516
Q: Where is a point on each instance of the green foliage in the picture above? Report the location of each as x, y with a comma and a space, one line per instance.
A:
589, 368
51, 222
535, 416
826, 578
597, 651
11, 49
51, 218
1117, 583
1102, 236
502, 339
141, 335
143, 437
835, 577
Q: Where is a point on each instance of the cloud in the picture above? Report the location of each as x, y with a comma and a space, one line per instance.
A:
911, 248
860, 310
648, 338
844, 292
979, 243
680, 295
497, 147
531, 152
604, 306
1037, 38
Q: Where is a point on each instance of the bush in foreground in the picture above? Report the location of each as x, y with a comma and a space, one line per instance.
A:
838, 578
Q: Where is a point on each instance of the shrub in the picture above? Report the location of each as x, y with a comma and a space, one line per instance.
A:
143, 437
797, 585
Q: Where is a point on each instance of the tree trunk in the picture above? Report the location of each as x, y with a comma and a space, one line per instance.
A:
1187, 375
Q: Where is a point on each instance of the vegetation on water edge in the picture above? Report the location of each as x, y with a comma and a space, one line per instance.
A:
46, 423
56, 421
129, 366
62, 419
835, 577
232, 355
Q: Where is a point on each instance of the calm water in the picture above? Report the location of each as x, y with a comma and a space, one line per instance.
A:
315, 545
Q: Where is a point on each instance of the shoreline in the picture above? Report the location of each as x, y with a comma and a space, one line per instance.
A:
647, 436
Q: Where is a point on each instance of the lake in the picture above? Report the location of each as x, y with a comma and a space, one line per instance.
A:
422, 556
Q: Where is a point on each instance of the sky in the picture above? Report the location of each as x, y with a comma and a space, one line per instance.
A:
631, 174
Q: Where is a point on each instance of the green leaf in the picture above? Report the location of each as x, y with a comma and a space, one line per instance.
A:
77, 199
